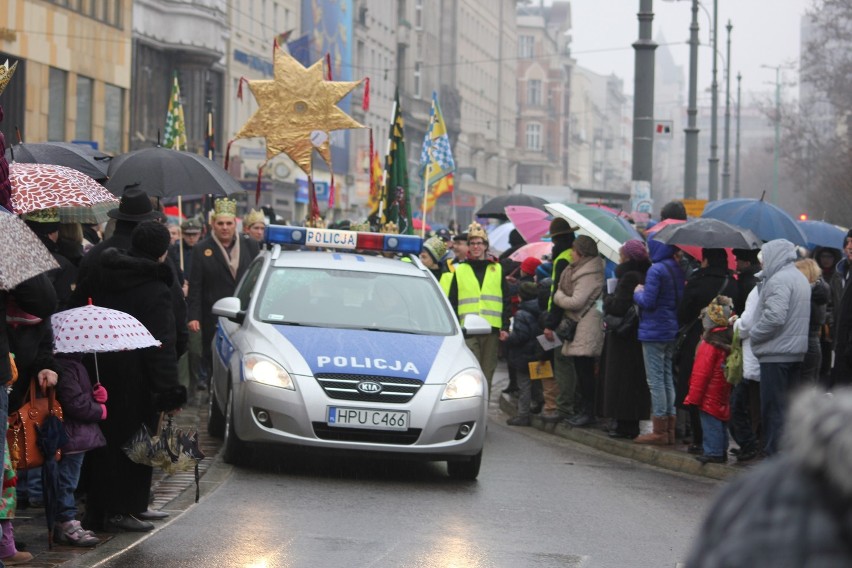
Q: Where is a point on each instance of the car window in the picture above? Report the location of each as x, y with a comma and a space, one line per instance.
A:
353, 299
246, 286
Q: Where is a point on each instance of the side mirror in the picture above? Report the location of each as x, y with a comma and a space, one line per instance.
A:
230, 308
475, 325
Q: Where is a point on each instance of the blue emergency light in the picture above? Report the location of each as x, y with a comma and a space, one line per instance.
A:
337, 239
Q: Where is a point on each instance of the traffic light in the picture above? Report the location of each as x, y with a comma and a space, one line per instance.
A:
803, 217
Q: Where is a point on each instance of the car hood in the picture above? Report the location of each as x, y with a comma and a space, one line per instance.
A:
363, 352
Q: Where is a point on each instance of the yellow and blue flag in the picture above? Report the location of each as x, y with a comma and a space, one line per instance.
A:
175, 134
436, 157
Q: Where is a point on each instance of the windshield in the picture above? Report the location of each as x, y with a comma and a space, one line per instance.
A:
351, 299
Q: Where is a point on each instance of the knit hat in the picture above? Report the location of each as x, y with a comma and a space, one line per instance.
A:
717, 313
634, 249
436, 248
529, 265
150, 239
528, 290
586, 245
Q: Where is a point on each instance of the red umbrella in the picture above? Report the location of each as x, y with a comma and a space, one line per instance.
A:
42, 186
536, 250
417, 223
172, 211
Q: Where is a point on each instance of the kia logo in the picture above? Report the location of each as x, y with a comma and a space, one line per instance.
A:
369, 387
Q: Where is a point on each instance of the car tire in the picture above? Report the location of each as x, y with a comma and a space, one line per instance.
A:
467, 470
233, 449
215, 418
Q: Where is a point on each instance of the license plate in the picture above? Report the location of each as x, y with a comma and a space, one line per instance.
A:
367, 418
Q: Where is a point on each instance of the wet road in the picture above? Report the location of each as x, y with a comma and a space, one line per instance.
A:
540, 501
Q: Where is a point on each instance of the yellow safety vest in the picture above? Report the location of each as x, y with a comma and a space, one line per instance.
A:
446, 282
486, 301
568, 255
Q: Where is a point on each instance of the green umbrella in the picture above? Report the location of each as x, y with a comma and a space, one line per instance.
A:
603, 227
97, 213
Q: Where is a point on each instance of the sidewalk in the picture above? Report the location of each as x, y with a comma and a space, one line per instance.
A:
173, 493
674, 458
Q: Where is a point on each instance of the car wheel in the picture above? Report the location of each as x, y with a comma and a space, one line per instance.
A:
215, 418
465, 470
233, 449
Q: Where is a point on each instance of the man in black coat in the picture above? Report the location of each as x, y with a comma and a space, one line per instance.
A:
218, 263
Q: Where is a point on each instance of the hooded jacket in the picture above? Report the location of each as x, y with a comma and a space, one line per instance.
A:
708, 389
663, 292
780, 331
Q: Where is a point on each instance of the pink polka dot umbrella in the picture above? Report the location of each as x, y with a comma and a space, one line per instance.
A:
93, 329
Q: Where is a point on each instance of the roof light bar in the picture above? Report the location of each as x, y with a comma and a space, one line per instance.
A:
337, 239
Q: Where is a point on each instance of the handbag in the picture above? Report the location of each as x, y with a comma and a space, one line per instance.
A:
734, 362
22, 435
567, 328
622, 326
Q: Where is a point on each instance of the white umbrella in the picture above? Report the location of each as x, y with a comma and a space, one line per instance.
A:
498, 237
93, 329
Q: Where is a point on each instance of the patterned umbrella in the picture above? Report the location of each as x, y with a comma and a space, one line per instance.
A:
41, 186
22, 254
93, 329
97, 213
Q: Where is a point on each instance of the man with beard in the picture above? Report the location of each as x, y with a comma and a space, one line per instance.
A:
218, 263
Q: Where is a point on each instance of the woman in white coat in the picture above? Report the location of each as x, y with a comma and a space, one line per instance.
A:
745, 398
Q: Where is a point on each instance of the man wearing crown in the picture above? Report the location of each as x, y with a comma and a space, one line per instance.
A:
218, 263
478, 287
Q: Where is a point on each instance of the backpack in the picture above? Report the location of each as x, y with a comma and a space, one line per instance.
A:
734, 362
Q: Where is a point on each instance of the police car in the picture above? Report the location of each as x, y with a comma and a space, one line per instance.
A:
341, 349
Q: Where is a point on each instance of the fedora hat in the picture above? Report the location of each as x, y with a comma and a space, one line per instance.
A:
133, 206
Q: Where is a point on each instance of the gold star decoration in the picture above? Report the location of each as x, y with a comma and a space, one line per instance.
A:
6, 73
297, 110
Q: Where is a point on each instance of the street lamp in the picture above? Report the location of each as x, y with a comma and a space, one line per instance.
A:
737, 166
726, 164
777, 130
713, 193
643, 110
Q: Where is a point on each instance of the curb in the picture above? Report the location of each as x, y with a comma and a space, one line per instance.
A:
672, 458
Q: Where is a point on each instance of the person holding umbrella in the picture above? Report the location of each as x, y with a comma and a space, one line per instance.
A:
218, 263
143, 382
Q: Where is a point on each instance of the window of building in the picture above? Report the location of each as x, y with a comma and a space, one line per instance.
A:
534, 92
417, 79
114, 119
526, 45
418, 14
534, 136
58, 91
83, 124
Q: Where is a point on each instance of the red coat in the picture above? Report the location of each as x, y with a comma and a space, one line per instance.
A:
708, 389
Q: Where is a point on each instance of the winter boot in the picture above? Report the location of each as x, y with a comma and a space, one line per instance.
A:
672, 423
660, 435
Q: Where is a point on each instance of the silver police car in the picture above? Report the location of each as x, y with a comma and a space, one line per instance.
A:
346, 351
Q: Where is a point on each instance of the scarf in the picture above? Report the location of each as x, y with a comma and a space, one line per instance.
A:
232, 258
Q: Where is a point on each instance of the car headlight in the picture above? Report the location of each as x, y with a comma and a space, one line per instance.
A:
466, 384
266, 371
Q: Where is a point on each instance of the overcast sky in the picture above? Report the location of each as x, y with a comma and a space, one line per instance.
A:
765, 32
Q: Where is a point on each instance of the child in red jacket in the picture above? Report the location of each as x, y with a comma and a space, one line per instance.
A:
708, 388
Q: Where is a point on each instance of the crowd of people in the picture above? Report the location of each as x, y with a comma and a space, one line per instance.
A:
166, 277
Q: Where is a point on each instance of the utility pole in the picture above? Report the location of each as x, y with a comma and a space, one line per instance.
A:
737, 160
643, 111
777, 130
726, 163
690, 174
714, 135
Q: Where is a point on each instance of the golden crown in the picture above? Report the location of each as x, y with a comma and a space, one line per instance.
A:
475, 230
6, 73
362, 227
252, 217
50, 215
224, 207
390, 227
315, 222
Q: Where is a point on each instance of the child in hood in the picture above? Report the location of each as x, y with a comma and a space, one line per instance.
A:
523, 348
708, 388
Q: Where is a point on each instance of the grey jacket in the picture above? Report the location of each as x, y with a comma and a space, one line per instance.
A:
780, 332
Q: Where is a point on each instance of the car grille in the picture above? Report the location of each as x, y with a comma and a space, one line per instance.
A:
402, 438
341, 386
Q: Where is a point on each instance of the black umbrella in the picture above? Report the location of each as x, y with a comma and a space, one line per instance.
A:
496, 208
80, 157
161, 172
708, 233
51, 437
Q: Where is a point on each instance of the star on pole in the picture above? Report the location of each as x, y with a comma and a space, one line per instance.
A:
297, 110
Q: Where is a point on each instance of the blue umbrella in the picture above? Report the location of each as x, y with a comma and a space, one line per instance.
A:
765, 220
822, 234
